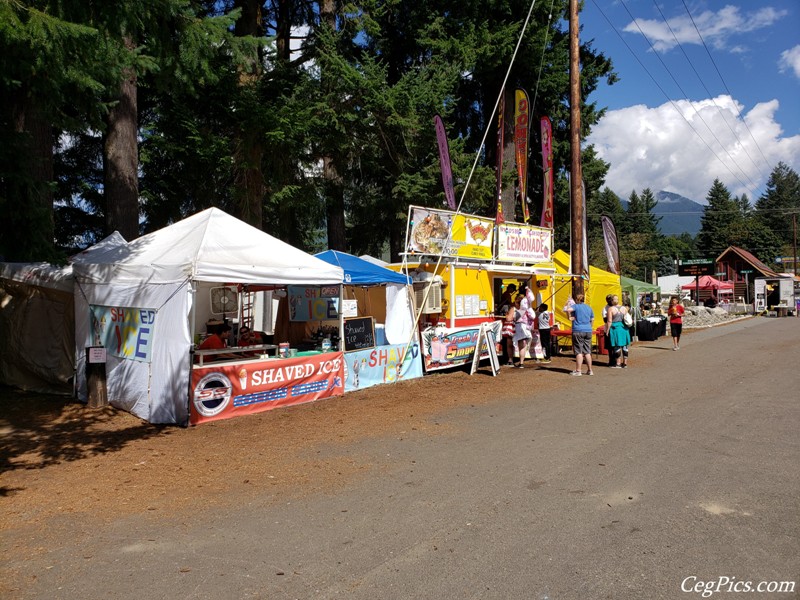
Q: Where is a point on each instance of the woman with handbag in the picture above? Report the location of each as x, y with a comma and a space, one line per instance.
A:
618, 333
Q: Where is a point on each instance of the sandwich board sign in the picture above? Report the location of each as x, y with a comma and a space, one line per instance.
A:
485, 336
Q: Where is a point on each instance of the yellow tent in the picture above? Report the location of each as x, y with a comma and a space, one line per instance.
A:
600, 284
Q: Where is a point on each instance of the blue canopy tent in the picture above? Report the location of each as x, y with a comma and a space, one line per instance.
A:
358, 271
387, 298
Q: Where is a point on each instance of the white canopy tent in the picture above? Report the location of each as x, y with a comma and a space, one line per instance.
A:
37, 322
150, 285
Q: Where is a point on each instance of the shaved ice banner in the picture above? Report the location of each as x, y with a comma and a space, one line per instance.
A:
231, 389
125, 332
383, 364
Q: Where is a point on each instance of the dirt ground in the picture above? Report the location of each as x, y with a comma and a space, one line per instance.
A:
60, 459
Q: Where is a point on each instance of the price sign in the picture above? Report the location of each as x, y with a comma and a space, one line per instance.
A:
359, 333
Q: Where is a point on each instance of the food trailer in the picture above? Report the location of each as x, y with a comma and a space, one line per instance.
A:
460, 264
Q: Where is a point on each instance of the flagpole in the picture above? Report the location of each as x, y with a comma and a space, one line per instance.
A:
576, 175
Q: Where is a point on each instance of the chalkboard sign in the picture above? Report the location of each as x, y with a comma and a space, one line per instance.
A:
359, 333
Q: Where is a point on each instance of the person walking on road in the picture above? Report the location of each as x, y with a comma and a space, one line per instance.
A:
675, 312
582, 317
618, 334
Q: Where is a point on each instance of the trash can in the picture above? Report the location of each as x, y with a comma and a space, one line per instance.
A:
601, 341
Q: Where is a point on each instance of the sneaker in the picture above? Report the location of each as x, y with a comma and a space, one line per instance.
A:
674, 348
616, 366
511, 364
520, 366
624, 366
677, 347
576, 373
590, 373
546, 361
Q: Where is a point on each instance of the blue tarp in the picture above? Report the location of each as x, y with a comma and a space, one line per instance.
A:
358, 271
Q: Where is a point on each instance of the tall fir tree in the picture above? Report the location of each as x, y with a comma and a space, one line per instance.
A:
719, 215
780, 201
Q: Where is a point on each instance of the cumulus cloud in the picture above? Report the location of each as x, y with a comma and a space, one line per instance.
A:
790, 61
716, 28
671, 147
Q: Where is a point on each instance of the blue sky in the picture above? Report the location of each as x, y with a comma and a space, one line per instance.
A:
669, 128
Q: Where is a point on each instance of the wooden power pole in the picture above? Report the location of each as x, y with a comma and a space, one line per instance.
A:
576, 175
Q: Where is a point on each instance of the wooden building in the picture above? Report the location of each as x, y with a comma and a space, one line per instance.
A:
741, 267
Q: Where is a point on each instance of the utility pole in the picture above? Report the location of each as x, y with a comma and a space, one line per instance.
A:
576, 177
794, 242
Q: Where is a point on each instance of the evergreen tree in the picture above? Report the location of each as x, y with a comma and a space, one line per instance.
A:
47, 70
781, 200
719, 215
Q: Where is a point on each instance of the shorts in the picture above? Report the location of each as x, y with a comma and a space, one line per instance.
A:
675, 329
582, 342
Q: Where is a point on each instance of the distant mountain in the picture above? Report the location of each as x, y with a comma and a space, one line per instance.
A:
678, 213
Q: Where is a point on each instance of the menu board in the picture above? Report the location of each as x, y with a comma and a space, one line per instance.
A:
441, 232
359, 333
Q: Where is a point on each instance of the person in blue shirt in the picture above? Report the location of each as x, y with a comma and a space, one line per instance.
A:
582, 317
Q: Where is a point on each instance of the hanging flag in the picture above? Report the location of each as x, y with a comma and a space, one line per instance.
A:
444, 162
499, 168
547, 170
612, 244
521, 134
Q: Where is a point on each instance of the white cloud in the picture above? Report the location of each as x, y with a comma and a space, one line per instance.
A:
715, 27
657, 148
790, 61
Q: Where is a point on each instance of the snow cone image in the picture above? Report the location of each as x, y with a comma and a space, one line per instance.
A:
243, 379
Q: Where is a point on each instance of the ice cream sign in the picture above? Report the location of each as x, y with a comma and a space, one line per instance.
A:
125, 331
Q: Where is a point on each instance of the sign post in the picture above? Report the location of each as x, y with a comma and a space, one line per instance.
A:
746, 273
96, 377
696, 267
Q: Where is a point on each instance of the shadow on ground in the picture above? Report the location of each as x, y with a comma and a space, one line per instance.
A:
38, 430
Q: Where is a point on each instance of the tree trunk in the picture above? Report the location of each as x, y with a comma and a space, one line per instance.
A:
334, 192
29, 231
121, 161
508, 197
249, 153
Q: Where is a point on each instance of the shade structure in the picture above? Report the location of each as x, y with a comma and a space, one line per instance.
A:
707, 282
358, 271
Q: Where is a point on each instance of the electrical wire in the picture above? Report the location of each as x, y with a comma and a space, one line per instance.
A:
691, 104
708, 92
738, 114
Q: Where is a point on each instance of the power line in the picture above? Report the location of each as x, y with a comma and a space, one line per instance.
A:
710, 95
691, 104
739, 114
672, 102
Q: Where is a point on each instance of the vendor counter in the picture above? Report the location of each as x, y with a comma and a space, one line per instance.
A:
235, 353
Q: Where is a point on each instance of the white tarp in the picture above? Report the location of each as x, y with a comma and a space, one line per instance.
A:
156, 273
